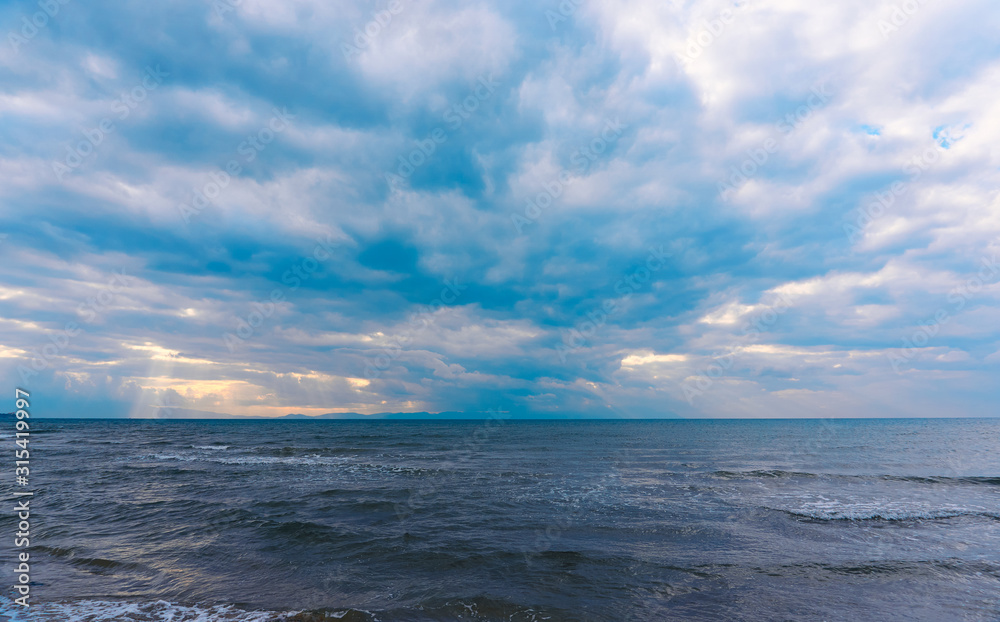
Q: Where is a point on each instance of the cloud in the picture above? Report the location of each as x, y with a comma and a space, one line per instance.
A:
460, 211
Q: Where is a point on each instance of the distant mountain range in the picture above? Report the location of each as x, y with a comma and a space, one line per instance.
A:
421, 415
186, 413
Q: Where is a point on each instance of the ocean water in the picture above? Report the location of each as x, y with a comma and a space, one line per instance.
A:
241, 521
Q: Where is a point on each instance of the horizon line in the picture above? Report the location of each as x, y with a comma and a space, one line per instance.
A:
321, 418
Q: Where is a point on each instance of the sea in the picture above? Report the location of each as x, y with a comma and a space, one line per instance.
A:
625, 520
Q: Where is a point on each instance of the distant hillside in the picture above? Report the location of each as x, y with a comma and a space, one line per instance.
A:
173, 413
390, 416
186, 413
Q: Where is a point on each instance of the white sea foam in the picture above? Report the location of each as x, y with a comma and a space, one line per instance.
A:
828, 509
310, 459
169, 457
159, 611
347, 463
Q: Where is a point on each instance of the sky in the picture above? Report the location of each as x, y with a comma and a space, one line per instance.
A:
599, 209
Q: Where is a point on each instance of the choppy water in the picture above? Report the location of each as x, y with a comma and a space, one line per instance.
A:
670, 520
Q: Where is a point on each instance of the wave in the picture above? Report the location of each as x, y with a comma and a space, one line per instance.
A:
163, 611
916, 479
349, 464
941, 479
870, 512
478, 608
96, 565
306, 460
762, 473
